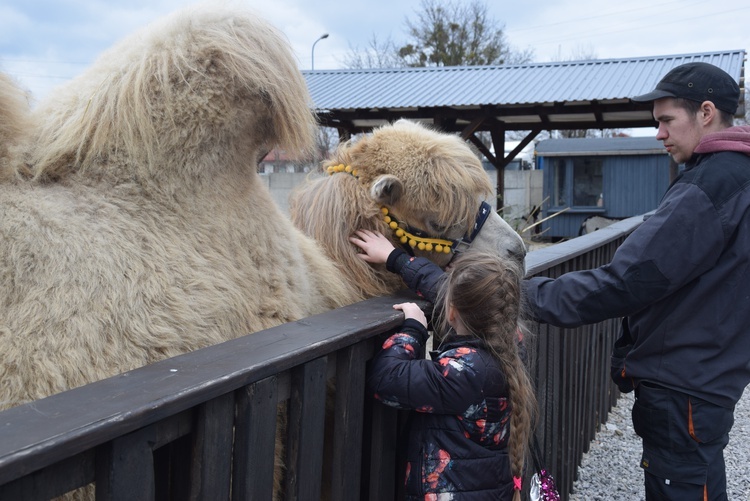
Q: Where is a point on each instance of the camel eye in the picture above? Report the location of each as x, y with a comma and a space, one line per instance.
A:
437, 228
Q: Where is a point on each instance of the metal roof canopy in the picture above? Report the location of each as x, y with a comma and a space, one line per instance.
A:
591, 94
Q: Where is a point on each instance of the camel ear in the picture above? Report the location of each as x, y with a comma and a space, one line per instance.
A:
387, 189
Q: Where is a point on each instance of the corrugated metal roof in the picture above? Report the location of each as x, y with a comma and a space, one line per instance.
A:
471, 86
600, 146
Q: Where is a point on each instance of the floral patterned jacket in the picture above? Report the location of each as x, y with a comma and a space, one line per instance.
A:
458, 433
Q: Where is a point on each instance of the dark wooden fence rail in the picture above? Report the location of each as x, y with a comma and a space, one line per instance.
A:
169, 430
203, 425
571, 366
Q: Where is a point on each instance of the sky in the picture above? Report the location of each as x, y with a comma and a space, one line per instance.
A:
44, 43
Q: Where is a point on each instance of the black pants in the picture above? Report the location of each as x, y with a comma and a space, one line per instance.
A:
683, 444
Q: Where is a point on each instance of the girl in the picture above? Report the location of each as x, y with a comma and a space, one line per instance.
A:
474, 401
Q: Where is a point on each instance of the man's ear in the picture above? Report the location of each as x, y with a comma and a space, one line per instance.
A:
387, 189
708, 113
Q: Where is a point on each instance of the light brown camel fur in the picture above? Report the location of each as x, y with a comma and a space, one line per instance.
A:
427, 180
133, 224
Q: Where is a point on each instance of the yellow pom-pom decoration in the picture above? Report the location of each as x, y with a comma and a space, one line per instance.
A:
355, 173
413, 243
340, 168
348, 168
428, 247
400, 232
393, 225
439, 248
447, 249
387, 219
420, 246
384, 210
403, 239
330, 169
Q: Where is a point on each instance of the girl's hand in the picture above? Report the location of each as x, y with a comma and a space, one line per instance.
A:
411, 310
376, 247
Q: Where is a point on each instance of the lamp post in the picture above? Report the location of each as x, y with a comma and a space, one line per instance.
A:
312, 63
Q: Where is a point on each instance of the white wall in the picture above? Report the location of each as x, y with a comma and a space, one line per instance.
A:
523, 190
281, 185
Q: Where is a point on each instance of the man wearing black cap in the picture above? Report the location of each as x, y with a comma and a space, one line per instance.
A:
681, 282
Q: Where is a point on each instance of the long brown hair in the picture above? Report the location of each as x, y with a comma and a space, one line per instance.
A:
486, 292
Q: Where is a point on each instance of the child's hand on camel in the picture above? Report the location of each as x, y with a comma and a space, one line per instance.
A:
376, 248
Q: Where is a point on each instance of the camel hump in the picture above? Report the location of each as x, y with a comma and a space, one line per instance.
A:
204, 82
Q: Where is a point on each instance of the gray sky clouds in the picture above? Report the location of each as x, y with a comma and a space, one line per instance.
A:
44, 43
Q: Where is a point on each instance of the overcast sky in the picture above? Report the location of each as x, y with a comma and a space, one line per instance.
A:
43, 43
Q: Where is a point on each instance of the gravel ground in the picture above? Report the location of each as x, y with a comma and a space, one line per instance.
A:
611, 471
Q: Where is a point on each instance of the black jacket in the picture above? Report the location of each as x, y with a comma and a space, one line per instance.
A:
458, 436
682, 279
458, 433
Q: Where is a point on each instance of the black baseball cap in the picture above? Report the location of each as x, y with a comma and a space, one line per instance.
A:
697, 82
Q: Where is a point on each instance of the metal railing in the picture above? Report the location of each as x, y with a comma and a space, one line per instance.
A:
203, 425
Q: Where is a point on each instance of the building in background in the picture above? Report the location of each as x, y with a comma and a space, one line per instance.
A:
590, 182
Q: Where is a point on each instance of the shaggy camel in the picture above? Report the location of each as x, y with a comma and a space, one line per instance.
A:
133, 224
420, 180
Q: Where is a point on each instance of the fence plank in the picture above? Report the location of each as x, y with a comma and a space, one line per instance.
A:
348, 420
306, 430
212, 450
125, 468
254, 456
380, 468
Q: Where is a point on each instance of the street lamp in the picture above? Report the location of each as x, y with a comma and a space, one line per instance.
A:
312, 63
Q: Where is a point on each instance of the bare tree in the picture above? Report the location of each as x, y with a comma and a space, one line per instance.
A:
457, 34
449, 33
377, 54
577, 53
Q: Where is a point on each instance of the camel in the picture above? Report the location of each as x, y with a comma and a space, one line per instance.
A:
403, 180
133, 224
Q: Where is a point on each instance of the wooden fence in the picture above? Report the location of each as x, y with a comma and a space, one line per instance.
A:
203, 425
571, 366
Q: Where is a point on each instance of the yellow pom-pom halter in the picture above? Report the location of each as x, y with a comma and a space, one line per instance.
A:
414, 241
348, 169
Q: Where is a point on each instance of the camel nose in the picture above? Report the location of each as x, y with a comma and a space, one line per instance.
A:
518, 253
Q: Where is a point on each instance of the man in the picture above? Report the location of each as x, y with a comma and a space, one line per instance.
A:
682, 282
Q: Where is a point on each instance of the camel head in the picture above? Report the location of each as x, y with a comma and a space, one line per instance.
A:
422, 188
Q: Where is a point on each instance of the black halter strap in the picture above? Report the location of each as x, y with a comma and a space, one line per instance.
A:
463, 244
460, 244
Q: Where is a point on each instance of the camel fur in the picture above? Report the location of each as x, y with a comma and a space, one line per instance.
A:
133, 224
429, 180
